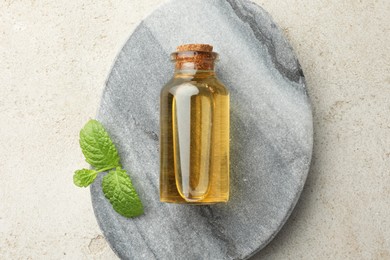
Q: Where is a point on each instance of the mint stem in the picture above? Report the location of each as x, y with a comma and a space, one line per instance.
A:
106, 169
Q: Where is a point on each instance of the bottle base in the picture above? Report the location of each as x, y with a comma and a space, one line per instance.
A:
180, 200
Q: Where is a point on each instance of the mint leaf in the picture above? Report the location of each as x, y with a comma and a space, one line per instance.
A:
84, 177
97, 147
119, 190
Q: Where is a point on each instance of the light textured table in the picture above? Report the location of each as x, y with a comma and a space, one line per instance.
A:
54, 59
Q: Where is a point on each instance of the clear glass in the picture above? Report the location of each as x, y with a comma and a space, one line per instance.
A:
194, 137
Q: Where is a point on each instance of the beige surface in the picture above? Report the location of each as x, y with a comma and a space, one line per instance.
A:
55, 56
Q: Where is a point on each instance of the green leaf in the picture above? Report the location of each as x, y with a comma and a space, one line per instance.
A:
119, 190
97, 146
84, 177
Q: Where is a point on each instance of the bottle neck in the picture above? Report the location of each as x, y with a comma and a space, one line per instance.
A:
191, 64
199, 69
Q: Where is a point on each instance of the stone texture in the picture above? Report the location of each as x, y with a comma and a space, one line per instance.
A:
271, 133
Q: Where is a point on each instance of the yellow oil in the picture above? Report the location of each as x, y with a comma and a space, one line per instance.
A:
194, 139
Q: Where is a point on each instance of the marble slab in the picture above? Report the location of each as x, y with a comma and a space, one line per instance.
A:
271, 132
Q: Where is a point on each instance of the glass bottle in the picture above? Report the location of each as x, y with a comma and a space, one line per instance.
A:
194, 130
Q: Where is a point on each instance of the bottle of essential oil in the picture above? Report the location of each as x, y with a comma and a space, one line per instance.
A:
194, 136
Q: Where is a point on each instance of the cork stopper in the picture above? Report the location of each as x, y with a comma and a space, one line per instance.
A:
195, 47
194, 56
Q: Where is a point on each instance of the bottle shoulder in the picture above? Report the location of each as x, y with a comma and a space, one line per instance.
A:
221, 88
211, 84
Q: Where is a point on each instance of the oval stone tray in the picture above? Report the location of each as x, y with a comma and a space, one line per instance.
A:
271, 133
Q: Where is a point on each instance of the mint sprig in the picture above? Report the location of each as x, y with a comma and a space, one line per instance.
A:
100, 152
